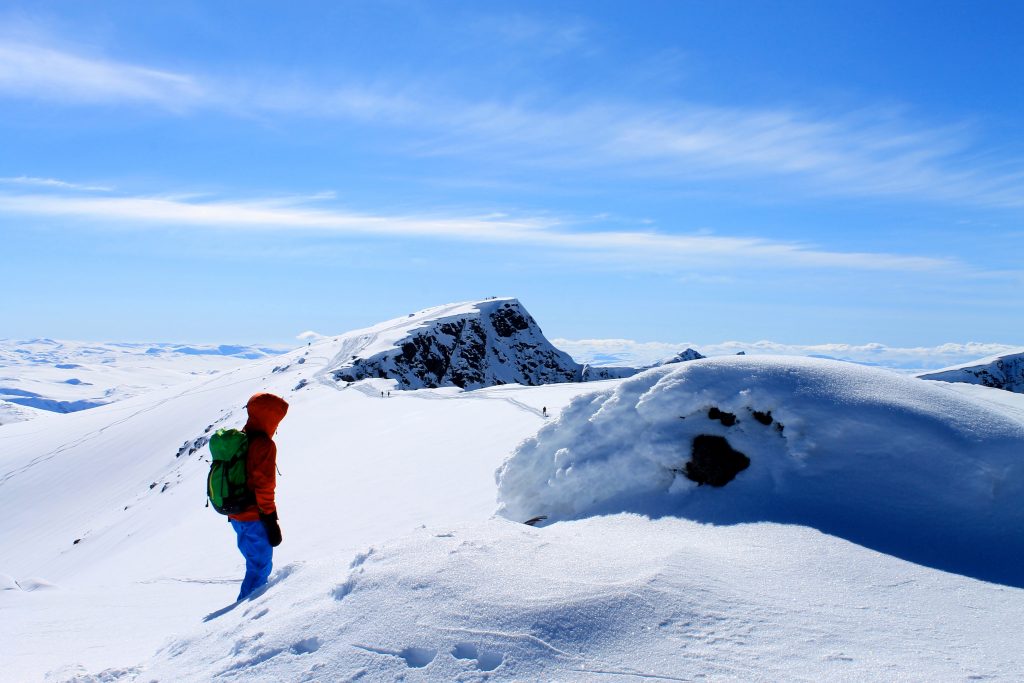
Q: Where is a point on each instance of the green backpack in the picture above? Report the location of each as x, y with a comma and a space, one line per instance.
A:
226, 484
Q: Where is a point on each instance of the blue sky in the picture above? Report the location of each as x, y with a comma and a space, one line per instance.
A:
804, 172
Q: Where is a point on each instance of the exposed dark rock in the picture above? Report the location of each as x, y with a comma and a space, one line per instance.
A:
727, 419
507, 321
683, 356
764, 418
713, 461
496, 342
190, 447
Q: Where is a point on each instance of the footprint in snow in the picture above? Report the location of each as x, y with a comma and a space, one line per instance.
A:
485, 661
302, 647
414, 657
417, 657
341, 591
360, 558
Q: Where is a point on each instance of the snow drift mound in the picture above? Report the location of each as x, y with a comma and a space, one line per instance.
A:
999, 372
904, 466
470, 345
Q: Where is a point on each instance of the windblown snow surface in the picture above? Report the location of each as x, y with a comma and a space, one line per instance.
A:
394, 566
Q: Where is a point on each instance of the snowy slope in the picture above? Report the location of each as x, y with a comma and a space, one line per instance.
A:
609, 598
356, 468
999, 372
67, 376
469, 345
393, 567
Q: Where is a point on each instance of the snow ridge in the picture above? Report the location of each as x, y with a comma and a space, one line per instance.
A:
999, 372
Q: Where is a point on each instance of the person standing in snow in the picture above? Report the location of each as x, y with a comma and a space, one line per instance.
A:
256, 527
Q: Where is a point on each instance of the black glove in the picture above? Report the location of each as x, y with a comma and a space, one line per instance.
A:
272, 527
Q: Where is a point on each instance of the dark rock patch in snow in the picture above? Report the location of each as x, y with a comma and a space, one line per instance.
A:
713, 461
727, 419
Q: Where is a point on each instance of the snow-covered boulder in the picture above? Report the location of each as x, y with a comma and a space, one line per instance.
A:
999, 372
470, 345
908, 467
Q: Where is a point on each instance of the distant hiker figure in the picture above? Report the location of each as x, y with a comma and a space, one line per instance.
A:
256, 526
544, 411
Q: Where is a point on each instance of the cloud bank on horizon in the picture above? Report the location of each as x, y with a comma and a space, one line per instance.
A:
533, 150
909, 359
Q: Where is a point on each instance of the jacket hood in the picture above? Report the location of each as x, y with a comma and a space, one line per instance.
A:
265, 413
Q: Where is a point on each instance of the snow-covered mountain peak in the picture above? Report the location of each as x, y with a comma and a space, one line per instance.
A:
999, 372
470, 345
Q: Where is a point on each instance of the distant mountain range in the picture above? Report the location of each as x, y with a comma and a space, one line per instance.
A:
469, 345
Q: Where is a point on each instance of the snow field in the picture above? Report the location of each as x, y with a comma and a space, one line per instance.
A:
393, 568
356, 469
44, 376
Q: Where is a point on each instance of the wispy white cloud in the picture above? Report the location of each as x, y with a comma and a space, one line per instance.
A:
918, 358
872, 152
540, 36
287, 214
42, 72
54, 183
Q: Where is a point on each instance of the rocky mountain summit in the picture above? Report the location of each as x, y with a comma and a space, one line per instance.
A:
682, 356
471, 345
1000, 372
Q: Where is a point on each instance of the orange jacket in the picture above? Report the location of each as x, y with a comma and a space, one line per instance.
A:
265, 413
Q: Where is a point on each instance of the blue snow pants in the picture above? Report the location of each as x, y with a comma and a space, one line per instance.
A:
258, 554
